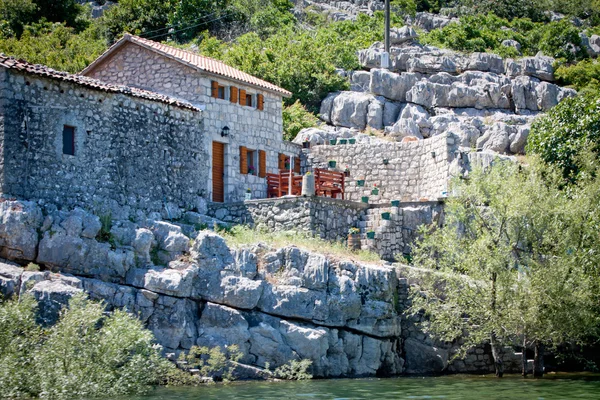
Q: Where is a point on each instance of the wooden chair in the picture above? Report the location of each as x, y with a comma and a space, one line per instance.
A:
329, 183
278, 184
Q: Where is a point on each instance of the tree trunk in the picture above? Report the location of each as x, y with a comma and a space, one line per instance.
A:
524, 358
497, 354
538, 360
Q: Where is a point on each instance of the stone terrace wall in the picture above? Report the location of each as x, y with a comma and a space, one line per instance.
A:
328, 218
415, 170
131, 151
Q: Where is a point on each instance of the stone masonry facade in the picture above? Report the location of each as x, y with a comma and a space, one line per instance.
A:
254, 129
415, 171
323, 217
127, 150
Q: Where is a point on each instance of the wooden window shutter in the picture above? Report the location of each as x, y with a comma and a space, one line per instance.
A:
243, 160
282, 158
214, 89
242, 97
262, 164
260, 102
233, 94
297, 164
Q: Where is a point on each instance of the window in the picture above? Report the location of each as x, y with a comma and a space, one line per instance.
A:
249, 100
252, 163
68, 137
217, 91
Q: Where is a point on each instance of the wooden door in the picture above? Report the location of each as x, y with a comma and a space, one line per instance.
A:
218, 172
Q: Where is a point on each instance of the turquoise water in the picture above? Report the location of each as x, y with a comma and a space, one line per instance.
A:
445, 387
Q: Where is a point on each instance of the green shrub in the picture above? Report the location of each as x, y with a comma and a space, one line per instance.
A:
583, 76
294, 370
568, 128
85, 354
485, 33
56, 46
296, 118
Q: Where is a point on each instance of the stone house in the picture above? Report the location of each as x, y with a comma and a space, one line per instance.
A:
242, 114
75, 141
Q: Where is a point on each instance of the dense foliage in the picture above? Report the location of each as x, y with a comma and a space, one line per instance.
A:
84, 354
516, 260
295, 118
583, 76
485, 33
560, 135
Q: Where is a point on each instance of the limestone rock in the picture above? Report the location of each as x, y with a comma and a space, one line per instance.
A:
392, 85
19, 222
52, 296
422, 358
223, 326
10, 279
538, 67
496, 138
512, 43
402, 35
350, 110
375, 114
360, 81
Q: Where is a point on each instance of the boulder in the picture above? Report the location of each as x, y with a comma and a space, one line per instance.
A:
52, 296
518, 139
19, 224
512, 43
429, 21
392, 85
350, 110
402, 35
171, 241
360, 81
175, 281
10, 279
485, 62
326, 107
496, 138
375, 114
221, 326
391, 111
423, 359
594, 45
538, 67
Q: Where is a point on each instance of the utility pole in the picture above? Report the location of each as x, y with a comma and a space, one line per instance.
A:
385, 57
387, 26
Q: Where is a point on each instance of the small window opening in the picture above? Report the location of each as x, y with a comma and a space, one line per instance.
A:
249, 100
221, 92
251, 156
68, 137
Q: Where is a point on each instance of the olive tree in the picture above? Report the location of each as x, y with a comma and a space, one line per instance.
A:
511, 264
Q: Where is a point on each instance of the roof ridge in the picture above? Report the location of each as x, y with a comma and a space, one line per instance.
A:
13, 63
195, 60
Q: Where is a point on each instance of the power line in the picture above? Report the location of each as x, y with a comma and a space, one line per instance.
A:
176, 25
193, 26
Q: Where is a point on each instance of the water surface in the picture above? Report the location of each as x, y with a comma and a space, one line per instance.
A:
560, 386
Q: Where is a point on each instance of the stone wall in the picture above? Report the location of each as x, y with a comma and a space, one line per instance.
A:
137, 66
321, 216
415, 170
128, 150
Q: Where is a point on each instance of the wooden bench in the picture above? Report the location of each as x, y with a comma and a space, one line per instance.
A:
329, 183
278, 184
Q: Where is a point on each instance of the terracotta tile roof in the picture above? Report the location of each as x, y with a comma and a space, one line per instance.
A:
197, 61
42, 70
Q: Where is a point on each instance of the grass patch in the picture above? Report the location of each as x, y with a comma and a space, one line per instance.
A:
240, 235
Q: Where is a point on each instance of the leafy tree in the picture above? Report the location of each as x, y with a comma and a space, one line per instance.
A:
15, 14
85, 354
188, 17
56, 46
558, 136
583, 76
513, 263
66, 11
137, 17
296, 118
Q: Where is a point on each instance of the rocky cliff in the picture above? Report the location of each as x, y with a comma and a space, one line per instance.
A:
276, 304
487, 101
